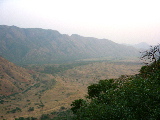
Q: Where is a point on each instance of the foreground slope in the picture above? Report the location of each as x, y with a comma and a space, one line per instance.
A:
35, 45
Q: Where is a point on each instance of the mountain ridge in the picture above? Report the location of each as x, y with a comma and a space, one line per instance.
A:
142, 45
42, 46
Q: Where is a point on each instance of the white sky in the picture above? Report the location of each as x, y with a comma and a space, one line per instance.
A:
122, 21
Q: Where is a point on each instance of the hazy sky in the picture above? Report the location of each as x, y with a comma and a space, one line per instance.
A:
122, 21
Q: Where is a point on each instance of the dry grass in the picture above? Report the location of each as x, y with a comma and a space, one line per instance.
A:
70, 85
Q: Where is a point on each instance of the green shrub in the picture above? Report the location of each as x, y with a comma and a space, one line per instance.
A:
31, 109
17, 109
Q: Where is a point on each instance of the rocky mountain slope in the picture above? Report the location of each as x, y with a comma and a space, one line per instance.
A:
35, 45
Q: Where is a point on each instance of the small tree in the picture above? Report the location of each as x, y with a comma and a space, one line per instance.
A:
153, 54
77, 104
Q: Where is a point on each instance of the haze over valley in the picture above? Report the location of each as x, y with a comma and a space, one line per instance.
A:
55, 68
78, 60
124, 21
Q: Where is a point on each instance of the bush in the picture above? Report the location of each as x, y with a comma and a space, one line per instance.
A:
17, 109
45, 117
31, 109
29, 118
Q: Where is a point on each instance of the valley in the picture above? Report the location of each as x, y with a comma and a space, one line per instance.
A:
56, 86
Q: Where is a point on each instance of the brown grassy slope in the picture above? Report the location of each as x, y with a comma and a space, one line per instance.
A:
53, 99
13, 79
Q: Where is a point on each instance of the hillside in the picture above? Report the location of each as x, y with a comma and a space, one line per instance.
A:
13, 79
37, 46
21, 89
